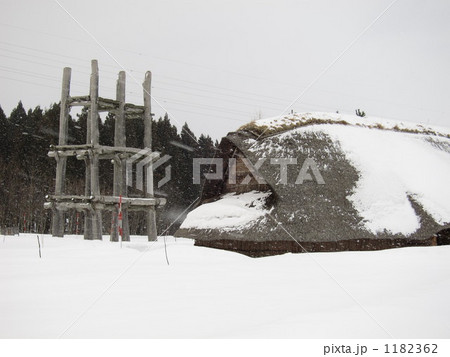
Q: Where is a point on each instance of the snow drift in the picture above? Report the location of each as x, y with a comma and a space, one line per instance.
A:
230, 212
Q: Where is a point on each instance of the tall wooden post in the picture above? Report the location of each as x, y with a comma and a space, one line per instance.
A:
120, 185
151, 214
87, 184
61, 162
96, 215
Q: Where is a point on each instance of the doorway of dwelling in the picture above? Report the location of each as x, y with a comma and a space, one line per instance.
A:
443, 237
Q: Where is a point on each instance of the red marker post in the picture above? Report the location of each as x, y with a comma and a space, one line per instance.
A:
120, 220
77, 224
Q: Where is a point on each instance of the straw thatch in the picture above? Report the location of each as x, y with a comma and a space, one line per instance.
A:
307, 216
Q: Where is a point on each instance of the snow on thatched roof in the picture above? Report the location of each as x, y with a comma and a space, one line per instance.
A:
383, 179
230, 212
275, 125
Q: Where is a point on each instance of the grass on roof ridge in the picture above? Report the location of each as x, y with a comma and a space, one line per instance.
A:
267, 130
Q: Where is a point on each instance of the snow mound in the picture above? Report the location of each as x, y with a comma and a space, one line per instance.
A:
231, 212
394, 167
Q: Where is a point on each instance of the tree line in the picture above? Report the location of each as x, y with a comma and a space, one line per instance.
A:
27, 174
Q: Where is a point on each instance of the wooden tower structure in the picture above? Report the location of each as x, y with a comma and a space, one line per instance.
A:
93, 203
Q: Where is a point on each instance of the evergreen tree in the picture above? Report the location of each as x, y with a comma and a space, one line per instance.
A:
107, 130
19, 148
80, 127
135, 133
18, 116
164, 134
4, 159
184, 166
49, 128
4, 130
165, 137
106, 168
206, 147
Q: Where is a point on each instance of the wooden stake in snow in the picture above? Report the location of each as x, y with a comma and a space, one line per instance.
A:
77, 224
120, 221
39, 245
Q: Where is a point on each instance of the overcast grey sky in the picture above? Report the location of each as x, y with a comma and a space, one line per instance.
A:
219, 64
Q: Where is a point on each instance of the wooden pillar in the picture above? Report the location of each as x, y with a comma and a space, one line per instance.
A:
87, 192
151, 213
96, 215
61, 162
120, 185
87, 183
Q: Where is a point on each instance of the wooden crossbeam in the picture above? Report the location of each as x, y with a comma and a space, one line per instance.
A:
83, 207
71, 147
64, 202
78, 101
131, 111
108, 200
133, 108
104, 152
102, 148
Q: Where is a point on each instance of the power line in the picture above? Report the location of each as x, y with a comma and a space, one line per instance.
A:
346, 49
52, 53
57, 88
345, 95
167, 89
45, 77
28, 61
326, 69
45, 33
35, 75
340, 93
218, 93
207, 96
209, 115
37, 84
135, 70
210, 107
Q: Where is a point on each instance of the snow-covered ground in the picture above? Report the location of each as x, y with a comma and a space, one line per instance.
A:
96, 289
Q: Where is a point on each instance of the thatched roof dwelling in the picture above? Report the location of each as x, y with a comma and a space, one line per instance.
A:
359, 184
